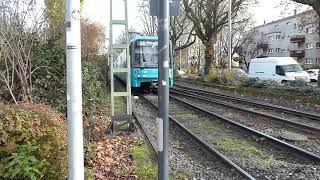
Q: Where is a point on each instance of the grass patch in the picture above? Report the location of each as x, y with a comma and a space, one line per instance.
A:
181, 175
237, 145
145, 165
227, 115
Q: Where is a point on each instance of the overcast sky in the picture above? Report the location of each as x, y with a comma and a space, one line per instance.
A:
266, 10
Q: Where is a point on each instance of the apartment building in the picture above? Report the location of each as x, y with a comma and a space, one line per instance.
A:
295, 36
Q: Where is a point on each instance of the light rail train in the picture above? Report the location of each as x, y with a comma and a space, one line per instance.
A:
144, 62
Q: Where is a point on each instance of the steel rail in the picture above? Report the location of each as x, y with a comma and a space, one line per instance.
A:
145, 133
207, 146
290, 123
300, 113
299, 151
149, 139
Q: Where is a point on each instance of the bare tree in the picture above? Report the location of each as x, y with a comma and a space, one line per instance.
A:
93, 38
149, 23
250, 46
209, 17
315, 4
181, 28
21, 22
311, 16
241, 24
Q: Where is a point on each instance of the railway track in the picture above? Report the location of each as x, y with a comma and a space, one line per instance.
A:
260, 120
220, 162
309, 115
260, 143
302, 122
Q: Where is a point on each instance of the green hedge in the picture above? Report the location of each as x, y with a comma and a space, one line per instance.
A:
33, 143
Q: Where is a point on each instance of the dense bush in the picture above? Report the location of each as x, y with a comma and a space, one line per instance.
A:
49, 74
33, 143
257, 83
315, 66
212, 76
227, 77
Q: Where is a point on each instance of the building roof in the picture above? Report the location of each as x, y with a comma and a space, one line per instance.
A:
284, 19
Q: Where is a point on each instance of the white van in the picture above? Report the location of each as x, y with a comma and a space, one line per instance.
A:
279, 69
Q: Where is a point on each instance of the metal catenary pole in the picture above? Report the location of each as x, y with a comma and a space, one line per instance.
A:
74, 91
229, 35
163, 85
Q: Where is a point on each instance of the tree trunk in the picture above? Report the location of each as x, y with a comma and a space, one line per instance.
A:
208, 56
318, 13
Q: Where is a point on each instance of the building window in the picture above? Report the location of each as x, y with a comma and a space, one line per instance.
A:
295, 26
310, 30
317, 61
270, 37
278, 50
276, 26
288, 23
309, 60
270, 51
283, 50
309, 46
318, 45
278, 36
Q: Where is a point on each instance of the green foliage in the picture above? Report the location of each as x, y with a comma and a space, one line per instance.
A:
32, 137
144, 168
257, 83
298, 87
24, 164
297, 83
315, 66
88, 173
212, 76
237, 145
94, 90
227, 77
49, 74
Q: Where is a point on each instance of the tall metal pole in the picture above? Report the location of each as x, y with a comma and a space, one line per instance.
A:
229, 36
163, 84
74, 91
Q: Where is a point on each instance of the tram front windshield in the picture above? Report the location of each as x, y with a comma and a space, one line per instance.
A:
146, 54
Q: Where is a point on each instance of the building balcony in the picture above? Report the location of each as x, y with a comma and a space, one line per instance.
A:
297, 53
297, 39
263, 45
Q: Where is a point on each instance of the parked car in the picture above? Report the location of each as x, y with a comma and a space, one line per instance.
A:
279, 69
313, 74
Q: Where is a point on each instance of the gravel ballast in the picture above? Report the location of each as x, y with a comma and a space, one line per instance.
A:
185, 156
253, 154
263, 124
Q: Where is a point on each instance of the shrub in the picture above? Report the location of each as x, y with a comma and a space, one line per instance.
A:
257, 83
23, 163
33, 140
297, 83
94, 90
315, 66
212, 76
227, 77
49, 74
